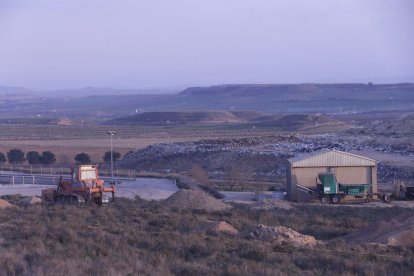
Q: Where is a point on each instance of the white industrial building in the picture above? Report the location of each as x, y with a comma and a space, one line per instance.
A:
349, 169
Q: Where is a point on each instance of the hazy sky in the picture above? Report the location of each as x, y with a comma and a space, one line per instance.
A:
49, 44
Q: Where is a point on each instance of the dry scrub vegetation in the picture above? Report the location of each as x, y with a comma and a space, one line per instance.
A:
141, 237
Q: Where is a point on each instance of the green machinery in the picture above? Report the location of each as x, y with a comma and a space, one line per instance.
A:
329, 190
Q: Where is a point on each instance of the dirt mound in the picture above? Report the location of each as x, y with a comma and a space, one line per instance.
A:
295, 121
177, 118
194, 200
393, 232
272, 204
400, 126
31, 200
248, 115
280, 235
4, 204
64, 122
216, 227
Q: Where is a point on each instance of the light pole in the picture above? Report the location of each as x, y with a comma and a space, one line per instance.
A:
111, 133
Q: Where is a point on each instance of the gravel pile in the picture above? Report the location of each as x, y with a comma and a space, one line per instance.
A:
194, 200
282, 235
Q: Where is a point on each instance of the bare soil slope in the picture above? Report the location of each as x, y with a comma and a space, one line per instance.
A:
401, 126
392, 232
295, 121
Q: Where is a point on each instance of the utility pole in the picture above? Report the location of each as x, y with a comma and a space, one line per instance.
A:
111, 133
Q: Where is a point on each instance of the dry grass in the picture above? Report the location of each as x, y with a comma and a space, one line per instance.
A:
139, 237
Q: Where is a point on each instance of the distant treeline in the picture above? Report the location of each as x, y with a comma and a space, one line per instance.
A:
17, 156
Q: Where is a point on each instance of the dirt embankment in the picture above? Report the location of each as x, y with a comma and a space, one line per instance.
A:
401, 126
247, 118
186, 117
295, 121
393, 232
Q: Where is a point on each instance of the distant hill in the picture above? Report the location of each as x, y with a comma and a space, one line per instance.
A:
306, 92
36, 121
82, 92
298, 98
270, 98
105, 91
9, 93
185, 117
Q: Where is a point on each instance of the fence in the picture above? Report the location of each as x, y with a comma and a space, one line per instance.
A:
104, 171
15, 178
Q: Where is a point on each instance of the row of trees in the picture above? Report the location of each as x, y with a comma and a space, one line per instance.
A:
17, 156
84, 158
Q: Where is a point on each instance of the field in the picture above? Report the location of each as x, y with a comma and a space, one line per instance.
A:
66, 141
141, 237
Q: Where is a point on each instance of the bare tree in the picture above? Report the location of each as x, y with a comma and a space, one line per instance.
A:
239, 177
235, 178
197, 173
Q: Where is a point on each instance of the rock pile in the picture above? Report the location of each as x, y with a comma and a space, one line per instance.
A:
194, 200
281, 235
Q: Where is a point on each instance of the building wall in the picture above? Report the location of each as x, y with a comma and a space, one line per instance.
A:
353, 175
306, 176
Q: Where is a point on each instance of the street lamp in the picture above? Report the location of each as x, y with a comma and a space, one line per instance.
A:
111, 133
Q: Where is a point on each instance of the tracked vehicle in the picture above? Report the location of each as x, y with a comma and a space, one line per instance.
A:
83, 186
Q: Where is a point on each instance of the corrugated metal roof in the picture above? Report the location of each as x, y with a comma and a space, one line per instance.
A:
333, 158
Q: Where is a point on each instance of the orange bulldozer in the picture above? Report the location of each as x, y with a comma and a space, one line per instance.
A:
84, 186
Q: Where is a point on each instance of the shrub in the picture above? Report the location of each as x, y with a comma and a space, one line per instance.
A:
107, 156
15, 156
47, 158
82, 158
33, 157
2, 158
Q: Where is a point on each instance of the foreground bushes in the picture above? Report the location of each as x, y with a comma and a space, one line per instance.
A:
139, 237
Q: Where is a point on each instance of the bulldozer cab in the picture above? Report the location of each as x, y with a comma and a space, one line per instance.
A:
85, 173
